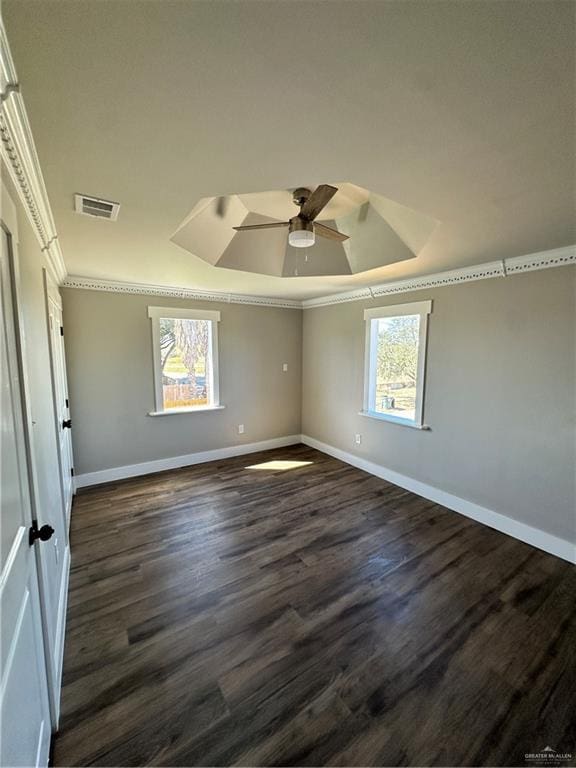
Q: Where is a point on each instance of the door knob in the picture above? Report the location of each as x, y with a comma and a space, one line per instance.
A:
43, 533
67, 424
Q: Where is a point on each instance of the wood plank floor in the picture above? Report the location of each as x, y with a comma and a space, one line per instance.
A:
221, 615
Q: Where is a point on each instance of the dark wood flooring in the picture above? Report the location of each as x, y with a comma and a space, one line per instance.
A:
220, 615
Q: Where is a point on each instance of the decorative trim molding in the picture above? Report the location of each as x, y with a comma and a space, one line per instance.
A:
19, 155
529, 535
159, 465
558, 257
94, 284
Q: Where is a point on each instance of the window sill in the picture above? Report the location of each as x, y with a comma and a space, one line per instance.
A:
194, 409
394, 420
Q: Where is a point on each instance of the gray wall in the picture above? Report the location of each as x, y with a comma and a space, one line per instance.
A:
500, 389
500, 394
110, 379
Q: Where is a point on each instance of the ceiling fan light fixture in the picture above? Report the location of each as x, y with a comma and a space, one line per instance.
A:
301, 238
301, 232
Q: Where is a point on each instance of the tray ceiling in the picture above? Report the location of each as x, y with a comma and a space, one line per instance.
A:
380, 231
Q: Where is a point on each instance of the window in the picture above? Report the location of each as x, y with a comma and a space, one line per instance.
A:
395, 362
185, 345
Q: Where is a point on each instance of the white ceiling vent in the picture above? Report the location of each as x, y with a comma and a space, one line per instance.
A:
94, 206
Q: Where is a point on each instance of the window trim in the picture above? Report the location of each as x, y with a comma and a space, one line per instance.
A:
155, 313
421, 308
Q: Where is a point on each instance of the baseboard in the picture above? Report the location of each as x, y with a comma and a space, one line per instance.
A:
159, 465
534, 536
526, 533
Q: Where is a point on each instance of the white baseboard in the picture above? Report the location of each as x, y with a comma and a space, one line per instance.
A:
537, 538
534, 536
159, 465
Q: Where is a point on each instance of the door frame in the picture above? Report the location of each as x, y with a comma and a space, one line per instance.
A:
9, 221
51, 293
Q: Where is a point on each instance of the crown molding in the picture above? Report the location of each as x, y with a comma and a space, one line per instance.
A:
18, 152
112, 286
558, 257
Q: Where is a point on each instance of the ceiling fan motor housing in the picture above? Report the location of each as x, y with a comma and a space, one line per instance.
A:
301, 233
300, 195
298, 224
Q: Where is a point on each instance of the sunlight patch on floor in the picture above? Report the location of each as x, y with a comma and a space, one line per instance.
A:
280, 465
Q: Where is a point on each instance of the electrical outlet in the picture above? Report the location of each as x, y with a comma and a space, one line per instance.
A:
284, 367
357, 439
240, 429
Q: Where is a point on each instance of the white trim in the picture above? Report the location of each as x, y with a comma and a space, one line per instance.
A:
200, 457
213, 372
52, 294
557, 257
141, 289
21, 159
395, 310
534, 536
186, 313
371, 317
157, 366
190, 409
61, 631
393, 420
42, 760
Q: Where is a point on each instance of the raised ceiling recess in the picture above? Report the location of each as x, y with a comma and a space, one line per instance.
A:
346, 229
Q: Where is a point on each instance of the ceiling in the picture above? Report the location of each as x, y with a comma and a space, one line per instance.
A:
463, 111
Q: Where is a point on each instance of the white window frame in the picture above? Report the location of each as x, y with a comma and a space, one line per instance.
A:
155, 313
371, 316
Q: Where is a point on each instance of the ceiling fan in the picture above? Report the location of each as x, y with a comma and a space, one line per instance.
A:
302, 228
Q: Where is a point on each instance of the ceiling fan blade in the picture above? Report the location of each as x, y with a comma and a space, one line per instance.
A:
317, 200
329, 233
272, 225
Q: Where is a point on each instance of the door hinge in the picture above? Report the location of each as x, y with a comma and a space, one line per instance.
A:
67, 403
61, 330
67, 424
72, 471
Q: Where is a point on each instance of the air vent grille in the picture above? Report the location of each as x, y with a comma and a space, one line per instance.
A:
95, 206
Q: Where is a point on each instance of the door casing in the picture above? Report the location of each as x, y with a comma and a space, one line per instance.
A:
60, 395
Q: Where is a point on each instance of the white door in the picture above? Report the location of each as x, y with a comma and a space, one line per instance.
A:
60, 386
41, 441
24, 709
